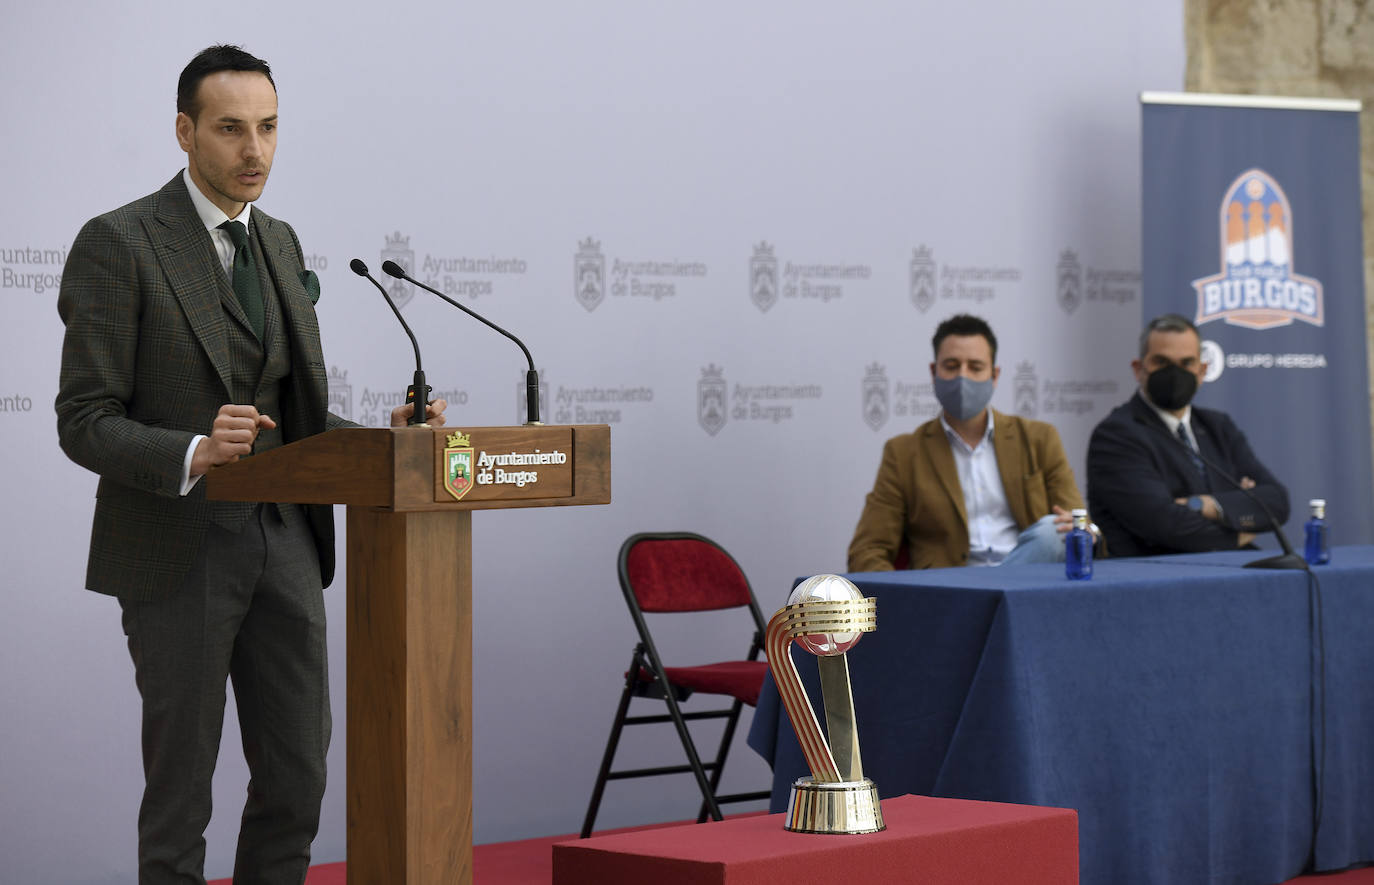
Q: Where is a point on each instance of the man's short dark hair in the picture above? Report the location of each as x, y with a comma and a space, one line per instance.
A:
222, 57
964, 324
1169, 322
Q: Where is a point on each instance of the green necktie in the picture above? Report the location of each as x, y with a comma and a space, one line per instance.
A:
245, 276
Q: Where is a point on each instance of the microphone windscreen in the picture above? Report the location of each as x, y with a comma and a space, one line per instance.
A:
391, 268
358, 267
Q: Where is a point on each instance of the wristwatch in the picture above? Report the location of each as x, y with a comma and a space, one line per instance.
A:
1195, 504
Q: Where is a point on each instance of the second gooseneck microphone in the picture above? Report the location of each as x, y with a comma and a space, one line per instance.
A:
418, 392
531, 377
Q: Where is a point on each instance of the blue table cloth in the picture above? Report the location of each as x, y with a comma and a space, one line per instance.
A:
1172, 701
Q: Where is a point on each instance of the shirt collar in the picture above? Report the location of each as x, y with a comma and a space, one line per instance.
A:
211, 215
1168, 417
954, 436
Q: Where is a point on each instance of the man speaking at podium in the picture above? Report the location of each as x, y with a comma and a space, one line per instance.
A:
1166, 477
192, 341
973, 486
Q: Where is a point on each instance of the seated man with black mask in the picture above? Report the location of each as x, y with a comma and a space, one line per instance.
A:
1150, 486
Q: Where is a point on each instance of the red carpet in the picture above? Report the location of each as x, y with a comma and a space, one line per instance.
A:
530, 862
511, 863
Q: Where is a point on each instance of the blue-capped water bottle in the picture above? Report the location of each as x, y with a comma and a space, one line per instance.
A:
1078, 548
1316, 551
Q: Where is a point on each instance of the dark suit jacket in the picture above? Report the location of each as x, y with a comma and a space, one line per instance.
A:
145, 367
917, 498
1136, 469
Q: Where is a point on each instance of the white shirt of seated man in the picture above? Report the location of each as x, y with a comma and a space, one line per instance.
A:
964, 377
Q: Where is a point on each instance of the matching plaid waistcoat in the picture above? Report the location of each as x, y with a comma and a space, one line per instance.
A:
258, 369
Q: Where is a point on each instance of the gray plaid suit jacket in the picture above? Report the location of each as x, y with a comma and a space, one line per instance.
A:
145, 367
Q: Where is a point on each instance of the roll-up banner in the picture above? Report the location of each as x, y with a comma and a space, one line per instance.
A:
1251, 229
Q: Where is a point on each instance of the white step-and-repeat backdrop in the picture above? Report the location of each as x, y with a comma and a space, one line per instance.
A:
728, 230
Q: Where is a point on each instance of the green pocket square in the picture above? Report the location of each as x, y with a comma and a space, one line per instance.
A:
311, 281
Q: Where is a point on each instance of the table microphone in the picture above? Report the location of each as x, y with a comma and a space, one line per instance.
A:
418, 392
531, 377
1288, 559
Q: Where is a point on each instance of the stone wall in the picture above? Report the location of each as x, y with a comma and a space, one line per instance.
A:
1317, 48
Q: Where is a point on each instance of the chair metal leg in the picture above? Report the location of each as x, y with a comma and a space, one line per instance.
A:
617, 725
707, 793
719, 767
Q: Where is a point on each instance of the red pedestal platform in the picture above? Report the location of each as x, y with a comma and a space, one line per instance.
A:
927, 840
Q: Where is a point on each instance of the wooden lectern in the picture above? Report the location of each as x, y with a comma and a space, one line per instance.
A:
409, 492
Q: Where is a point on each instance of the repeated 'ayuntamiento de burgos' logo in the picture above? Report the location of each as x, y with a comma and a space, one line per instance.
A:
1257, 288
922, 278
1025, 390
763, 277
1069, 274
398, 250
589, 273
712, 391
877, 395
340, 393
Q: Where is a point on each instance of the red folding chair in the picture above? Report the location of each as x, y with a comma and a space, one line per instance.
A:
682, 572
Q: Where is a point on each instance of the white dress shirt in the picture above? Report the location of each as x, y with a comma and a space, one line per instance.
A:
1173, 423
212, 217
992, 531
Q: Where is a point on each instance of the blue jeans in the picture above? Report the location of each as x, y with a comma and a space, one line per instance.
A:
1040, 542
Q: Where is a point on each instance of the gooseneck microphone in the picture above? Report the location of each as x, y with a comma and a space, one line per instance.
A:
418, 392
531, 377
1288, 559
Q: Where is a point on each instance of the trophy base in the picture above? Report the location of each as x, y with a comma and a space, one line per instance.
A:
845, 808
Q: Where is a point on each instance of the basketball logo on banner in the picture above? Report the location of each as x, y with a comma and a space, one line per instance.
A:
1257, 288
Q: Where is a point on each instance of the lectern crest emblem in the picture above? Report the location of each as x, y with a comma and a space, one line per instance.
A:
458, 476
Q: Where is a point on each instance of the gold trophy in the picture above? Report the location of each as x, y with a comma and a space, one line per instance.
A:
827, 615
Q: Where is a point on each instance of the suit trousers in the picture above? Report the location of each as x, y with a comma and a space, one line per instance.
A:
251, 610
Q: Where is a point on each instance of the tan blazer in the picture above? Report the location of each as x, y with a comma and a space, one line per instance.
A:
917, 500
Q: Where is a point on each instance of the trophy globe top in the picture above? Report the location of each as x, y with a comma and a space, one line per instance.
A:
826, 588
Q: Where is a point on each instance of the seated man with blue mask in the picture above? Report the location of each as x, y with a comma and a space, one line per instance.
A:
972, 486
